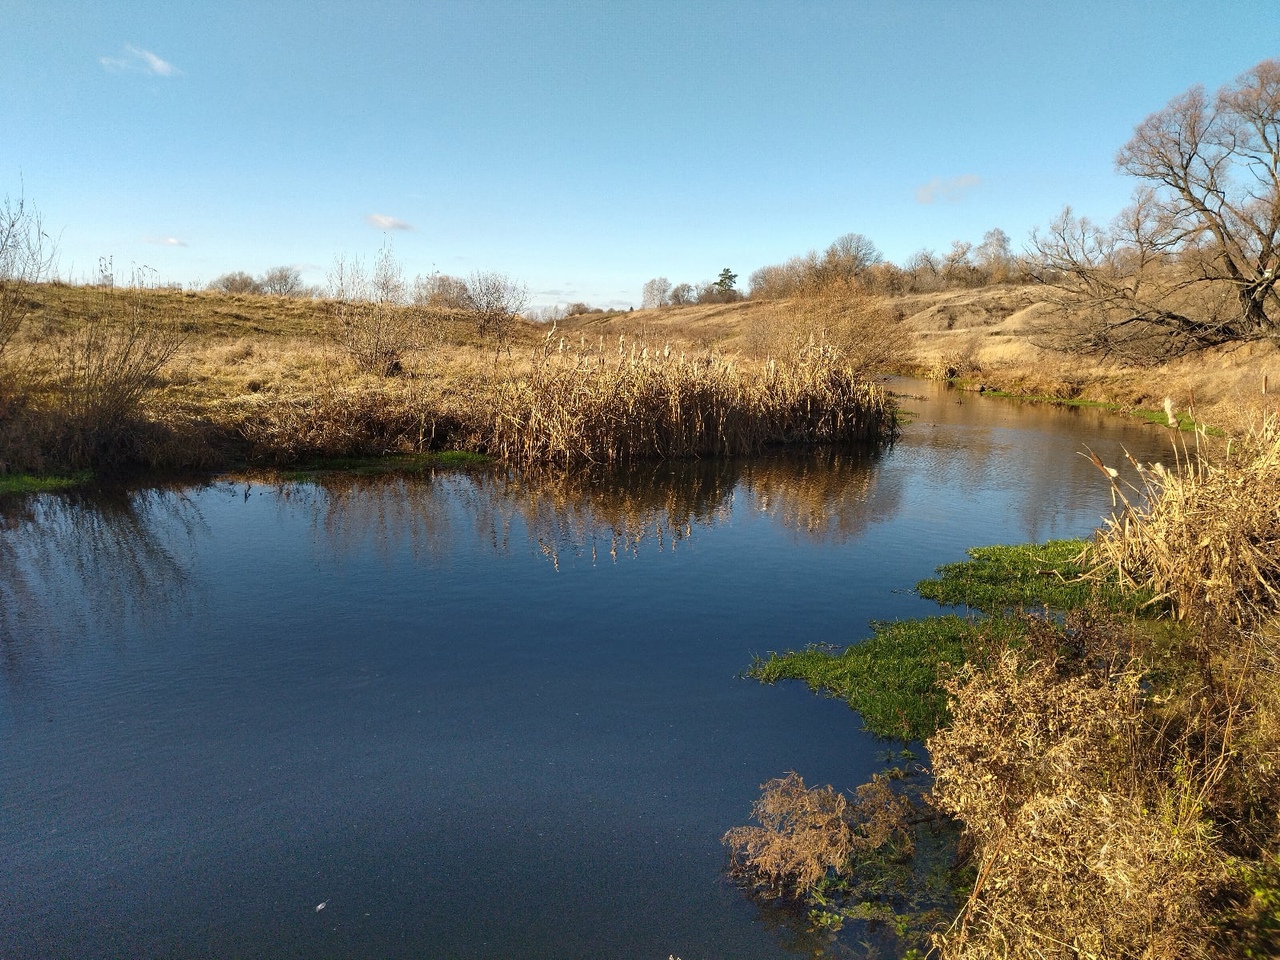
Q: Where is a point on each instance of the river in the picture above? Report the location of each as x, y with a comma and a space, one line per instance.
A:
467, 714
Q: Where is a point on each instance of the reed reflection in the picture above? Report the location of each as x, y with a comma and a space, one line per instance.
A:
827, 498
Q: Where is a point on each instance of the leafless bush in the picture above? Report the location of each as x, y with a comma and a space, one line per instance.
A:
106, 367
497, 302
26, 257
440, 291
372, 316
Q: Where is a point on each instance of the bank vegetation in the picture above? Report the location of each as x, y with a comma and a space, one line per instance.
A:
1103, 738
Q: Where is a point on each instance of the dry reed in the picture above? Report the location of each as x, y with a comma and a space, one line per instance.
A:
582, 406
1205, 534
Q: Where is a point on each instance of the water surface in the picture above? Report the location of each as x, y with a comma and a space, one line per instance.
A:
466, 715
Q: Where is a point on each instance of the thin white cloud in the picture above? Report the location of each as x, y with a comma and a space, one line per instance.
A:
137, 60
383, 222
167, 241
947, 189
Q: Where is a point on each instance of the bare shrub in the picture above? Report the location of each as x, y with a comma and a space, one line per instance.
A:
371, 315
282, 282
26, 257
103, 370
440, 292
497, 301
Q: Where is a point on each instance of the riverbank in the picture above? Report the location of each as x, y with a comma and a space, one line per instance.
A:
1103, 731
162, 380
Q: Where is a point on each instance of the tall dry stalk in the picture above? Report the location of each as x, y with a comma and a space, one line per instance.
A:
1205, 534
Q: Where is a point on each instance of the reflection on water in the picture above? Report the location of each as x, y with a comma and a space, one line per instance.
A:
478, 715
70, 562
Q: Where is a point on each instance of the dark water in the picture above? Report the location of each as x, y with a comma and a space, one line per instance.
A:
470, 715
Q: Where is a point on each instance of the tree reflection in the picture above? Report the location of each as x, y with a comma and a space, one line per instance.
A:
73, 565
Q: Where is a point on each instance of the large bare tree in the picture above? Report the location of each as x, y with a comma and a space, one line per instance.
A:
1193, 262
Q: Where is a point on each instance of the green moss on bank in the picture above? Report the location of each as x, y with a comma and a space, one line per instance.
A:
378, 466
13, 484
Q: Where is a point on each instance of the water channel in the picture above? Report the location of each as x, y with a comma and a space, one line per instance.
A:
467, 715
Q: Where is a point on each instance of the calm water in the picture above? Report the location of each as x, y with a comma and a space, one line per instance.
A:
472, 716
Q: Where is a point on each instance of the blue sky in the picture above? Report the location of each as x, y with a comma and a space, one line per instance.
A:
581, 147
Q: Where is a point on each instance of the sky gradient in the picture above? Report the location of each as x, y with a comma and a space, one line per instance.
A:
581, 147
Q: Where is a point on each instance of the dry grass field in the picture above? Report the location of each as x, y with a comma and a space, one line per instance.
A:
163, 379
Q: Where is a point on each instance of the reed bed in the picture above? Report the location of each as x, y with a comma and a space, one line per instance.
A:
581, 405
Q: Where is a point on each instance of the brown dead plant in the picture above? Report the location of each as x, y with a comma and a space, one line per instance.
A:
1206, 533
806, 834
1090, 833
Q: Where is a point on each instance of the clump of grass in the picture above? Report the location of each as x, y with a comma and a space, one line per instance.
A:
1090, 827
1059, 575
25, 483
337, 418
1204, 535
581, 406
893, 678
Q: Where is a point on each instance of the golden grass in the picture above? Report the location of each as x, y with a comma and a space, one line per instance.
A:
270, 379
582, 405
1206, 534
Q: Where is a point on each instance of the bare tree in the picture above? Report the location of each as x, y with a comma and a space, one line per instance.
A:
994, 256
683, 294
440, 291
657, 293
26, 257
497, 301
1193, 262
282, 282
235, 282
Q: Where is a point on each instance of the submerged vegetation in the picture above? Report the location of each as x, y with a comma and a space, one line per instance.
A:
1112, 768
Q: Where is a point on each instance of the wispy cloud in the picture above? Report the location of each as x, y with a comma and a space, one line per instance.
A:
947, 189
383, 222
167, 241
137, 60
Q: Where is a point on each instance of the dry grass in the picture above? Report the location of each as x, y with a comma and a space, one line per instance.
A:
267, 379
1087, 844
1206, 534
582, 405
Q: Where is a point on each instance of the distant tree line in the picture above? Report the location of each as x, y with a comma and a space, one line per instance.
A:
276, 282
854, 258
659, 292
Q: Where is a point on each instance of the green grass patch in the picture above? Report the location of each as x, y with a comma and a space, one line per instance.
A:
13, 484
1027, 576
892, 677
